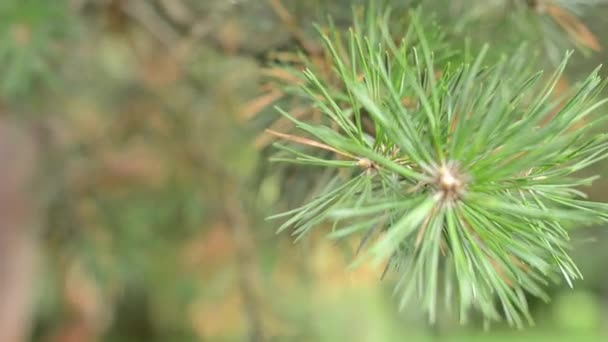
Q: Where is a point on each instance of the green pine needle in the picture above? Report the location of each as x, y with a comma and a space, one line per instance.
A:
463, 181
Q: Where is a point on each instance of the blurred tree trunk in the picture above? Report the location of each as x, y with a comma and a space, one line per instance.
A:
17, 213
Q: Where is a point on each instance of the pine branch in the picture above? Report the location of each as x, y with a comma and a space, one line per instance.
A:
472, 188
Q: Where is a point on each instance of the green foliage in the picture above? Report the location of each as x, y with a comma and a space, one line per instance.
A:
466, 173
153, 193
31, 32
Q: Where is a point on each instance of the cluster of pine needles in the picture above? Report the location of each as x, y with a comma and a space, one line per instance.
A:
459, 173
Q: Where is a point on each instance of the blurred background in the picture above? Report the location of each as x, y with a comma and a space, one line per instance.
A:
134, 183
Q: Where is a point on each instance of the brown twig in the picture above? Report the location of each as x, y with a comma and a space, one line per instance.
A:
255, 106
294, 30
309, 142
282, 124
572, 25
